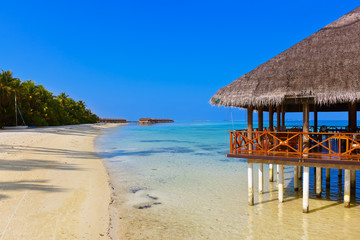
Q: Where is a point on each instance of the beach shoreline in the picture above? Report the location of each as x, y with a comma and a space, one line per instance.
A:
54, 185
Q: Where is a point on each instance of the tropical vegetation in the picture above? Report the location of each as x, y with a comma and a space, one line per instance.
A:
38, 106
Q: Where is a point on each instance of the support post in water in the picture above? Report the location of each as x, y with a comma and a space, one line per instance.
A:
318, 182
261, 178
250, 185
271, 172
281, 183
296, 179
306, 190
347, 188
327, 178
353, 179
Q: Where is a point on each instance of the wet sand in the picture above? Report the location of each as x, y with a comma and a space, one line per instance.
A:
53, 185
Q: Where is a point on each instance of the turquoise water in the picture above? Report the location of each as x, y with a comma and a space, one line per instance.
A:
173, 181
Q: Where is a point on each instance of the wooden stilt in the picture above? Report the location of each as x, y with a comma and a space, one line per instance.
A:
277, 172
250, 185
306, 190
271, 172
327, 177
300, 172
271, 128
347, 188
340, 173
260, 128
261, 178
353, 179
281, 183
318, 182
296, 178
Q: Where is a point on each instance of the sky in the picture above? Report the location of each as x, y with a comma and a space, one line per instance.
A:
166, 59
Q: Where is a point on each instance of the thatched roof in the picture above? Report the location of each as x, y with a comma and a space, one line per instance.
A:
324, 67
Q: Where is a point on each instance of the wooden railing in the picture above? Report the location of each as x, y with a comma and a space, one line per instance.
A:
340, 145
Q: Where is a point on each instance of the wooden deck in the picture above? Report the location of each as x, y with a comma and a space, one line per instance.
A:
329, 150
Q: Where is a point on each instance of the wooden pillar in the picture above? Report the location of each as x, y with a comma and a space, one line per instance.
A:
278, 129
281, 182
306, 190
250, 126
305, 126
300, 172
296, 178
278, 122
271, 118
353, 179
318, 182
282, 118
347, 188
250, 184
271, 128
352, 117
340, 173
315, 119
260, 119
327, 178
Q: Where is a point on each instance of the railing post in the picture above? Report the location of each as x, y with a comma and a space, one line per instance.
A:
301, 144
231, 142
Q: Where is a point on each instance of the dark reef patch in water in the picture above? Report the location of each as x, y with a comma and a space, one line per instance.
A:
202, 154
136, 189
147, 152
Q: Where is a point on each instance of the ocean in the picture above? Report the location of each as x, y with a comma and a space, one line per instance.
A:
173, 181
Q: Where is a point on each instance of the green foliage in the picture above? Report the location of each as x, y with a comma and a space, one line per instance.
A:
38, 106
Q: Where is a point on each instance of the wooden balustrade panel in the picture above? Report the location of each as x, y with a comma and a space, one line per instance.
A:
335, 144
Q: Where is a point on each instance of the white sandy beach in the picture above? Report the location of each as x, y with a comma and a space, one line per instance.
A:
52, 185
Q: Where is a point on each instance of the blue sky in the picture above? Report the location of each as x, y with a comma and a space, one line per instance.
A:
132, 59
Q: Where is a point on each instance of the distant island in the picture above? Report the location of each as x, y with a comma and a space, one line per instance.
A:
145, 121
38, 106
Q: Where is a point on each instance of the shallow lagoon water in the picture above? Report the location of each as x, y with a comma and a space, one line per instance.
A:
173, 181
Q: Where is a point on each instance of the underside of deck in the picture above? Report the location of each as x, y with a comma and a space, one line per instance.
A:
295, 159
